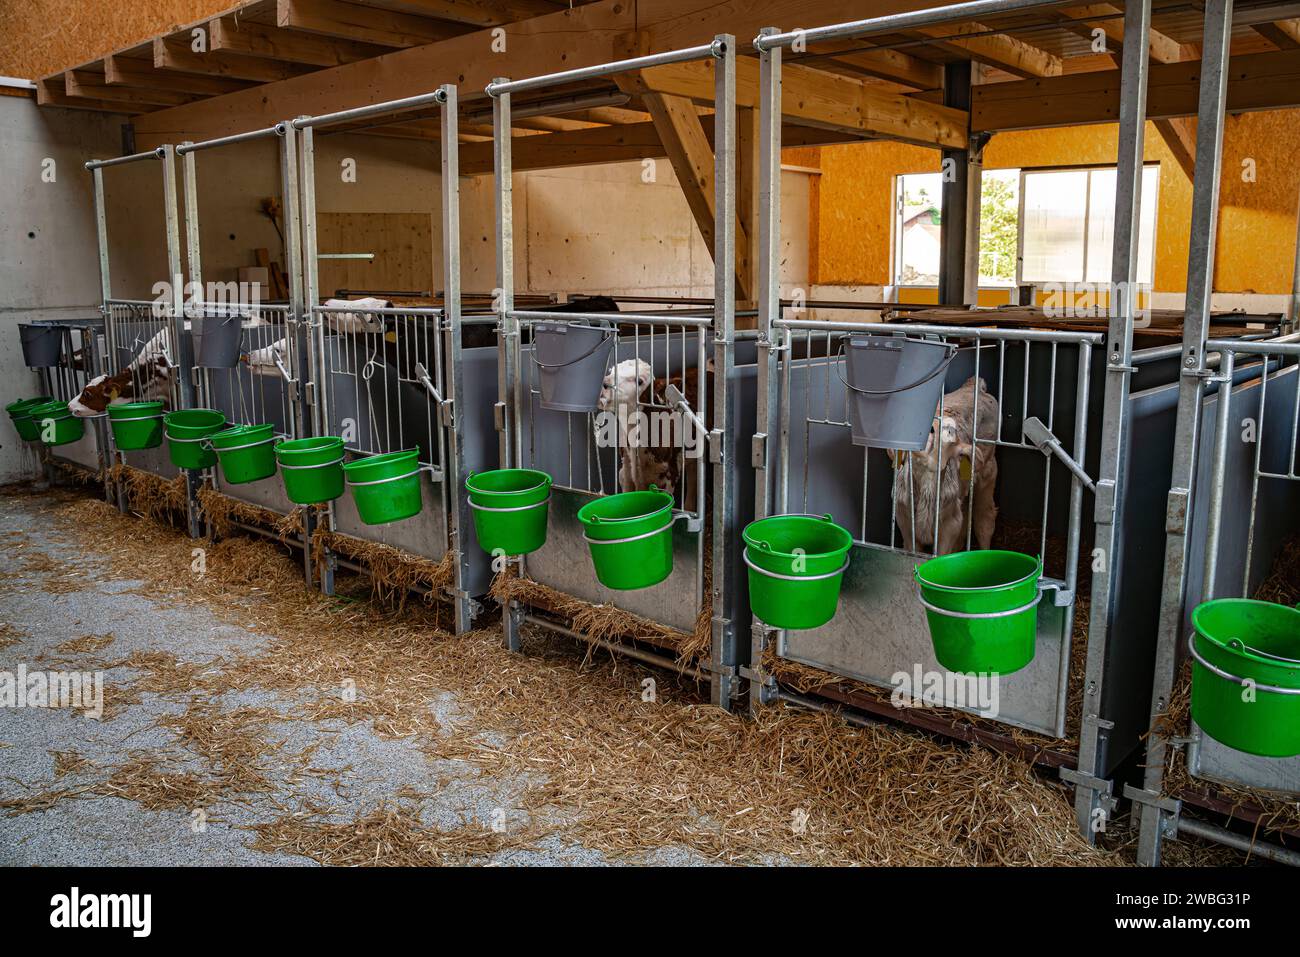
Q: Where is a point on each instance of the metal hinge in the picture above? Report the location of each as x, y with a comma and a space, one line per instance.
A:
1151, 798
1105, 510
309, 393
715, 446
499, 416
758, 450
448, 416
1176, 511
1101, 787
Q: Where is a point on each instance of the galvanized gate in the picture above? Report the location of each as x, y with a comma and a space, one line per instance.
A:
387, 379
676, 349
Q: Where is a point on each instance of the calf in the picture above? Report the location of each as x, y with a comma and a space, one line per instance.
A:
652, 439
950, 462
147, 378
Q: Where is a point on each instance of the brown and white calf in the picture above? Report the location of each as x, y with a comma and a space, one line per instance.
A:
148, 378
950, 462
653, 440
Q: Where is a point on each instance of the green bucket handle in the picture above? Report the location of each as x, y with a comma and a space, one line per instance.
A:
1229, 676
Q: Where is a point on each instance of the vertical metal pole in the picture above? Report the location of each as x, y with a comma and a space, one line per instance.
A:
190, 182
185, 384
295, 329
962, 175
723, 675
455, 471
1293, 307
768, 464
315, 390
1093, 800
106, 293
1155, 819
509, 388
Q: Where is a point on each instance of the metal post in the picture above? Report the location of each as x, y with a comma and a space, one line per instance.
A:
959, 231
767, 464
1191, 390
106, 293
457, 469
1094, 802
185, 385
724, 651
509, 388
1293, 307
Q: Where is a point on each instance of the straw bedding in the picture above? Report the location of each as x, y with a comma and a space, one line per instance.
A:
393, 573
602, 766
149, 495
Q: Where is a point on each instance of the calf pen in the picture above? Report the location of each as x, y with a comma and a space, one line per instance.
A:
685, 615
1244, 540
389, 380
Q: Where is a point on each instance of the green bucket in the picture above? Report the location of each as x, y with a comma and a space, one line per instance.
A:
510, 509
245, 453
311, 469
187, 433
1246, 675
386, 488
20, 413
136, 425
55, 424
982, 609
796, 565
631, 538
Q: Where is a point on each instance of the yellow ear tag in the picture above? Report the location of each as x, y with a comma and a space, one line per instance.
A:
390, 336
963, 468
113, 394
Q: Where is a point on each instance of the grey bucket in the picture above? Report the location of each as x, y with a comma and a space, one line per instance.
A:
572, 359
895, 386
42, 345
217, 340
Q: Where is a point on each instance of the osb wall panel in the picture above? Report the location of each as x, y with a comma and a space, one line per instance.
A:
45, 36
1256, 244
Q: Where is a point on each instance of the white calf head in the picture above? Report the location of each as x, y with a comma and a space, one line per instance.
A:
625, 383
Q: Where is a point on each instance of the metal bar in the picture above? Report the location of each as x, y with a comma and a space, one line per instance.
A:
1090, 810
319, 396
503, 87
645, 657
1219, 835
1283, 346
1218, 475
1191, 389
901, 21
925, 329
960, 197
528, 317
510, 387
438, 96
101, 238
123, 160
724, 651
262, 134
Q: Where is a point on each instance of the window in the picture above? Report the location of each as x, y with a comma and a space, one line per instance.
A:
1036, 226
1068, 225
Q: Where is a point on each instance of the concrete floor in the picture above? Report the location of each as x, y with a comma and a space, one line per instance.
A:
362, 769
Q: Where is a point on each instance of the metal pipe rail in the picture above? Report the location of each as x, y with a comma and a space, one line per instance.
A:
500, 87
154, 154
233, 139
406, 104
963, 332
935, 16
529, 317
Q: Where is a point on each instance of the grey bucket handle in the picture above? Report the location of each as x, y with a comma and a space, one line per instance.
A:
941, 368
513, 508
793, 578
609, 334
976, 616
1229, 676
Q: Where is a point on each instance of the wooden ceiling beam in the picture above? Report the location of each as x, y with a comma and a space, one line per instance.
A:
171, 54
232, 35
1283, 34
127, 71
993, 49
1179, 135
1109, 18
50, 92
895, 66
366, 24
91, 86
816, 98
475, 13
1256, 81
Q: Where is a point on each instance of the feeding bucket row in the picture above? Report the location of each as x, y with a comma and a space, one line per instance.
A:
796, 567
630, 536
41, 345
245, 452
895, 386
981, 607
217, 341
510, 509
20, 414
573, 359
188, 431
1246, 675
386, 488
136, 425
55, 424
311, 469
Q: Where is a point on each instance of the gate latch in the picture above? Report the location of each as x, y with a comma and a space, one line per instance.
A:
1040, 436
673, 396
444, 405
